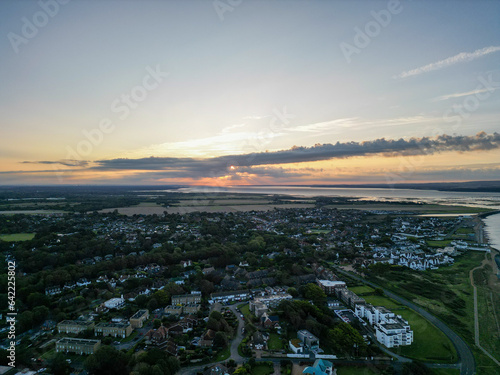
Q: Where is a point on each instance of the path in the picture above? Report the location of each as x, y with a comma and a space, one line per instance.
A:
467, 365
476, 312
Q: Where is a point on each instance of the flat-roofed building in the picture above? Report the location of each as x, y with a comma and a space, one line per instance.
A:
77, 346
113, 329
74, 326
115, 303
310, 341
185, 299
137, 320
258, 308
394, 333
330, 287
351, 299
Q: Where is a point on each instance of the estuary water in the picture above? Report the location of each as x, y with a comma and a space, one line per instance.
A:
492, 229
474, 199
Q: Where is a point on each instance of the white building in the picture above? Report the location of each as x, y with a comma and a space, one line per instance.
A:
391, 329
115, 303
374, 314
395, 333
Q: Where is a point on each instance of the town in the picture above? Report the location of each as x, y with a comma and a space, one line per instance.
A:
214, 292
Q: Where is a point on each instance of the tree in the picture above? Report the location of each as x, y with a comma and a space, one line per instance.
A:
25, 321
162, 297
293, 292
152, 304
220, 340
314, 293
39, 314
107, 360
59, 366
156, 323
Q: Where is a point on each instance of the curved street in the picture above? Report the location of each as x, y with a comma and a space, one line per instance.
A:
467, 363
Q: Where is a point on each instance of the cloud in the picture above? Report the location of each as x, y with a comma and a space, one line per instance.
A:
271, 164
460, 94
220, 166
65, 162
459, 58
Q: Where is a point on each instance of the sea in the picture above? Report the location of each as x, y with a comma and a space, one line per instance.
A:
471, 199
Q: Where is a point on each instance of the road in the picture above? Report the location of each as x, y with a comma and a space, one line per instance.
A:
234, 348
467, 363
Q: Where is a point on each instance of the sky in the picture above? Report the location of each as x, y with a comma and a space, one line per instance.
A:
243, 92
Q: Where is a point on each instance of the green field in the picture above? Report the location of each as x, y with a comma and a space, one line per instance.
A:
223, 354
448, 294
244, 308
262, 370
17, 237
274, 342
360, 290
438, 243
354, 370
382, 301
445, 371
430, 344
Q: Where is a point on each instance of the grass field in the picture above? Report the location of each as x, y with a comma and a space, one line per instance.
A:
245, 310
382, 301
430, 344
363, 289
444, 286
17, 237
223, 354
354, 370
445, 371
262, 370
274, 342
439, 243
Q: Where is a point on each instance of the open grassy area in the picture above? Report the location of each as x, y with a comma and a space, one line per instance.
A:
274, 342
438, 243
244, 308
17, 237
360, 290
223, 354
356, 370
430, 344
262, 370
382, 301
445, 371
448, 294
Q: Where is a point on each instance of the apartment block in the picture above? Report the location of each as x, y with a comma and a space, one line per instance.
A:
185, 299
77, 346
330, 287
74, 326
113, 329
137, 320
